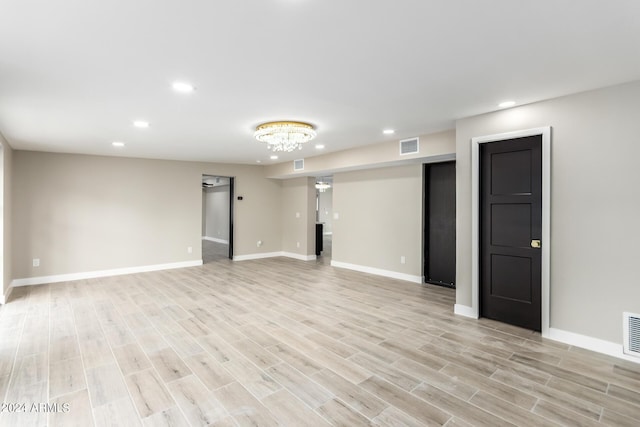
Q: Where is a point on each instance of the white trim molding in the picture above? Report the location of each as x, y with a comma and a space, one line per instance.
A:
545, 132
465, 310
377, 271
4, 298
257, 256
273, 255
300, 257
215, 239
102, 273
590, 343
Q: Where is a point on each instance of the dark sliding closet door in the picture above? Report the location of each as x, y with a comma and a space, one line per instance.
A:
232, 182
440, 223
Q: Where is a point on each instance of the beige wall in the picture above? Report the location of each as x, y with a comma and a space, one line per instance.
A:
298, 216
380, 218
82, 213
375, 155
595, 201
79, 213
7, 166
378, 195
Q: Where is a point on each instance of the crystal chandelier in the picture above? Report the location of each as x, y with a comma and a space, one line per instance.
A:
284, 136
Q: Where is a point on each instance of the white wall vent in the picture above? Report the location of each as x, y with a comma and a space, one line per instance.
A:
409, 146
631, 332
298, 165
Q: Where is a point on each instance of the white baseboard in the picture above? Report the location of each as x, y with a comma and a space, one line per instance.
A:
377, 271
464, 310
214, 239
590, 343
273, 255
102, 273
257, 256
566, 337
4, 298
299, 256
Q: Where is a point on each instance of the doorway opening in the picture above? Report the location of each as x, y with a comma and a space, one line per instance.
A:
217, 218
324, 218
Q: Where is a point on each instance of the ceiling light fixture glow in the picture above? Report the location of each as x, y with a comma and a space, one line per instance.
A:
117, 144
388, 131
284, 136
322, 186
319, 146
183, 87
507, 104
141, 124
274, 157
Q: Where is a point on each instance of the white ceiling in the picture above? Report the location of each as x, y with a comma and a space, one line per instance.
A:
74, 74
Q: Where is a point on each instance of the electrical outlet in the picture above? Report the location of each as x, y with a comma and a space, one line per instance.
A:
297, 244
297, 214
189, 249
336, 215
403, 260
36, 262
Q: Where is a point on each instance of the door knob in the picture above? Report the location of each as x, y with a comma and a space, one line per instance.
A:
535, 243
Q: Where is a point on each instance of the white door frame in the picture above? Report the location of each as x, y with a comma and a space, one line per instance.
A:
546, 216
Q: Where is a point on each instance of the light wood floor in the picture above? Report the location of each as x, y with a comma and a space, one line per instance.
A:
214, 251
286, 342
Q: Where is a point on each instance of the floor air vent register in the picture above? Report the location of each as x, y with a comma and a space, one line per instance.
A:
631, 328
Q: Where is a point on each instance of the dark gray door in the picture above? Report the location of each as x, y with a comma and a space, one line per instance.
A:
232, 182
440, 224
510, 231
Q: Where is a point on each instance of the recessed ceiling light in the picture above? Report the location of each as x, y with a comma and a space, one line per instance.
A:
183, 87
274, 157
319, 146
258, 161
141, 124
117, 144
388, 131
507, 104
